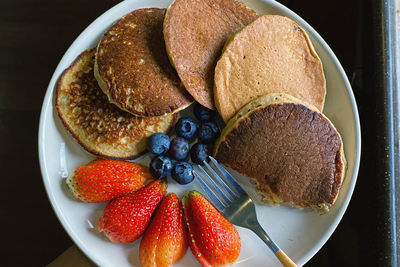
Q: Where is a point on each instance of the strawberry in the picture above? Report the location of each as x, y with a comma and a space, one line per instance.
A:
164, 241
125, 218
213, 240
104, 179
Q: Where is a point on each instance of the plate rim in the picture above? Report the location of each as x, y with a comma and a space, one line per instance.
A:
92, 27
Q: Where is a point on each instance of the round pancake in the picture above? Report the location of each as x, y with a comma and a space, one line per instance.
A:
290, 150
133, 69
271, 55
195, 32
100, 127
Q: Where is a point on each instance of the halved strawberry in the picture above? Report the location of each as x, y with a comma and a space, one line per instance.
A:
125, 218
104, 179
164, 241
213, 240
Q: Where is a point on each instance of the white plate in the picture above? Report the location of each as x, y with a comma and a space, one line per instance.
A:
299, 233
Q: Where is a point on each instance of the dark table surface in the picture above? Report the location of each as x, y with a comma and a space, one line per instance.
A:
35, 34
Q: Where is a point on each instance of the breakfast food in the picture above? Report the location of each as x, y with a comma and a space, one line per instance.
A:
202, 113
164, 242
271, 55
179, 149
104, 179
125, 218
213, 240
199, 153
195, 32
208, 132
182, 172
290, 150
158, 143
160, 167
122, 98
186, 127
171, 156
132, 67
99, 127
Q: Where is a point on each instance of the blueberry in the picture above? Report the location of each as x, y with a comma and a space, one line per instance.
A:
160, 167
186, 127
158, 143
179, 148
182, 172
199, 153
208, 132
202, 113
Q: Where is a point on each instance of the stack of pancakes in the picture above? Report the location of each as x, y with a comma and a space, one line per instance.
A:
100, 127
112, 98
195, 32
261, 73
270, 89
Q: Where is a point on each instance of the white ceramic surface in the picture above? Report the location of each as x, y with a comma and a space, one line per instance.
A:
299, 233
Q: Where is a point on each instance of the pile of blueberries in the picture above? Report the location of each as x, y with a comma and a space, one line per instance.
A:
171, 155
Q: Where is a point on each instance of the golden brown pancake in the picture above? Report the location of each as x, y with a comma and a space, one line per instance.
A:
133, 68
271, 55
100, 127
290, 150
195, 32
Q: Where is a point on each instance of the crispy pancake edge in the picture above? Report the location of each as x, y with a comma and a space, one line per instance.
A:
71, 131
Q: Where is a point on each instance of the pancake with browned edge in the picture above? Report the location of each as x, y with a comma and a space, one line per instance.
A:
195, 32
271, 55
100, 127
290, 150
133, 69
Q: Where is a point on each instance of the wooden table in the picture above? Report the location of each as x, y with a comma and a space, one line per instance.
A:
33, 37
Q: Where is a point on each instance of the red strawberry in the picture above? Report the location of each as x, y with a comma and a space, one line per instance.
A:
213, 240
125, 218
104, 179
164, 241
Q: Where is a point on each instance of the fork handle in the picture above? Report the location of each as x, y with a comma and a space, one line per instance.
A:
282, 257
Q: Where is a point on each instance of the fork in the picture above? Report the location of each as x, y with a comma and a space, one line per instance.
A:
234, 203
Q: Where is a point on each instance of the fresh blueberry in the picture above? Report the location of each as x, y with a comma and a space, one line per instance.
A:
182, 172
158, 143
202, 113
160, 167
186, 127
199, 153
179, 148
208, 132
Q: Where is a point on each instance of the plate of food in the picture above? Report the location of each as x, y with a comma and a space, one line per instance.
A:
151, 88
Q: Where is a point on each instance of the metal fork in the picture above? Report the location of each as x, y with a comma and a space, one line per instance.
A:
234, 203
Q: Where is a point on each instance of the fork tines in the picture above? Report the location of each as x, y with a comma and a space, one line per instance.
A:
222, 188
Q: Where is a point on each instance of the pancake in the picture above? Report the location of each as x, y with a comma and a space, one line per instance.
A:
288, 149
100, 127
271, 55
133, 69
195, 32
